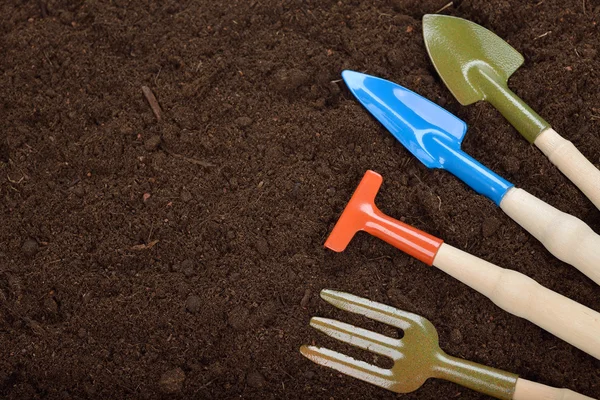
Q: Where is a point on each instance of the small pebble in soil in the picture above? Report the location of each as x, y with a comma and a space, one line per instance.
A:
456, 336
424, 79
263, 315
319, 103
395, 58
306, 298
589, 52
87, 297
50, 305
489, 226
238, 318
308, 375
30, 248
172, 381
185, 195
79, 191
193, 304
255, 380
334, 88
189, 272
152, 143
289, 80
188, 263
243, 122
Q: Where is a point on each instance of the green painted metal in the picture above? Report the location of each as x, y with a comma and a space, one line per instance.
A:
417, 356
475, 64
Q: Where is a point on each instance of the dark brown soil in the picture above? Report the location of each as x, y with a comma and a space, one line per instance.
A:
129, 270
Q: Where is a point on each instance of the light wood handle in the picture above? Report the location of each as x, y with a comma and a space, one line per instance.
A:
527, 390
522, 296
565, 236
572, 163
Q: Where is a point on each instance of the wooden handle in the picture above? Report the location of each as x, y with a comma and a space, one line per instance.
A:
565, 236
522, 296
527, 390
571, 162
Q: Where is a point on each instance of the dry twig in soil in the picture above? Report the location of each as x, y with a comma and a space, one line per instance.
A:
152, 101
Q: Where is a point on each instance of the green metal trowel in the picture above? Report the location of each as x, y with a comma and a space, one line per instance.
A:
475, 64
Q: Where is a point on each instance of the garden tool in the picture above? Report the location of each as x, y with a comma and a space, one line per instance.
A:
475, 64
510, 290
434, 136
417, 356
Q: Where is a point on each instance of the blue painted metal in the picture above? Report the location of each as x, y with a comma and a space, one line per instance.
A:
428, 131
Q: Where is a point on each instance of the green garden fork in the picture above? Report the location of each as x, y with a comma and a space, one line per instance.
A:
417, 356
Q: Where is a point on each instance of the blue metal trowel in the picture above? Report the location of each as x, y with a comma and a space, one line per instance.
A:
429, 132
434, 136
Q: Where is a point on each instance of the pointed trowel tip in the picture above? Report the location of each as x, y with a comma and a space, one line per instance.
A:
431, 20
353, 79
439, 17
427, 17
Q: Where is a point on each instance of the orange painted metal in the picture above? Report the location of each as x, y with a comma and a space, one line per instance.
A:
361, 214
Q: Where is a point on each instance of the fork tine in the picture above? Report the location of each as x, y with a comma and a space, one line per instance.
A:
347, 365
377, 311
358, 337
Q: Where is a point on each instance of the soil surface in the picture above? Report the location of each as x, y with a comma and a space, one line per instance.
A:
130, 269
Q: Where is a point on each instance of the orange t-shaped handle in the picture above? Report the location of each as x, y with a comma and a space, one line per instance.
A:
361, 214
